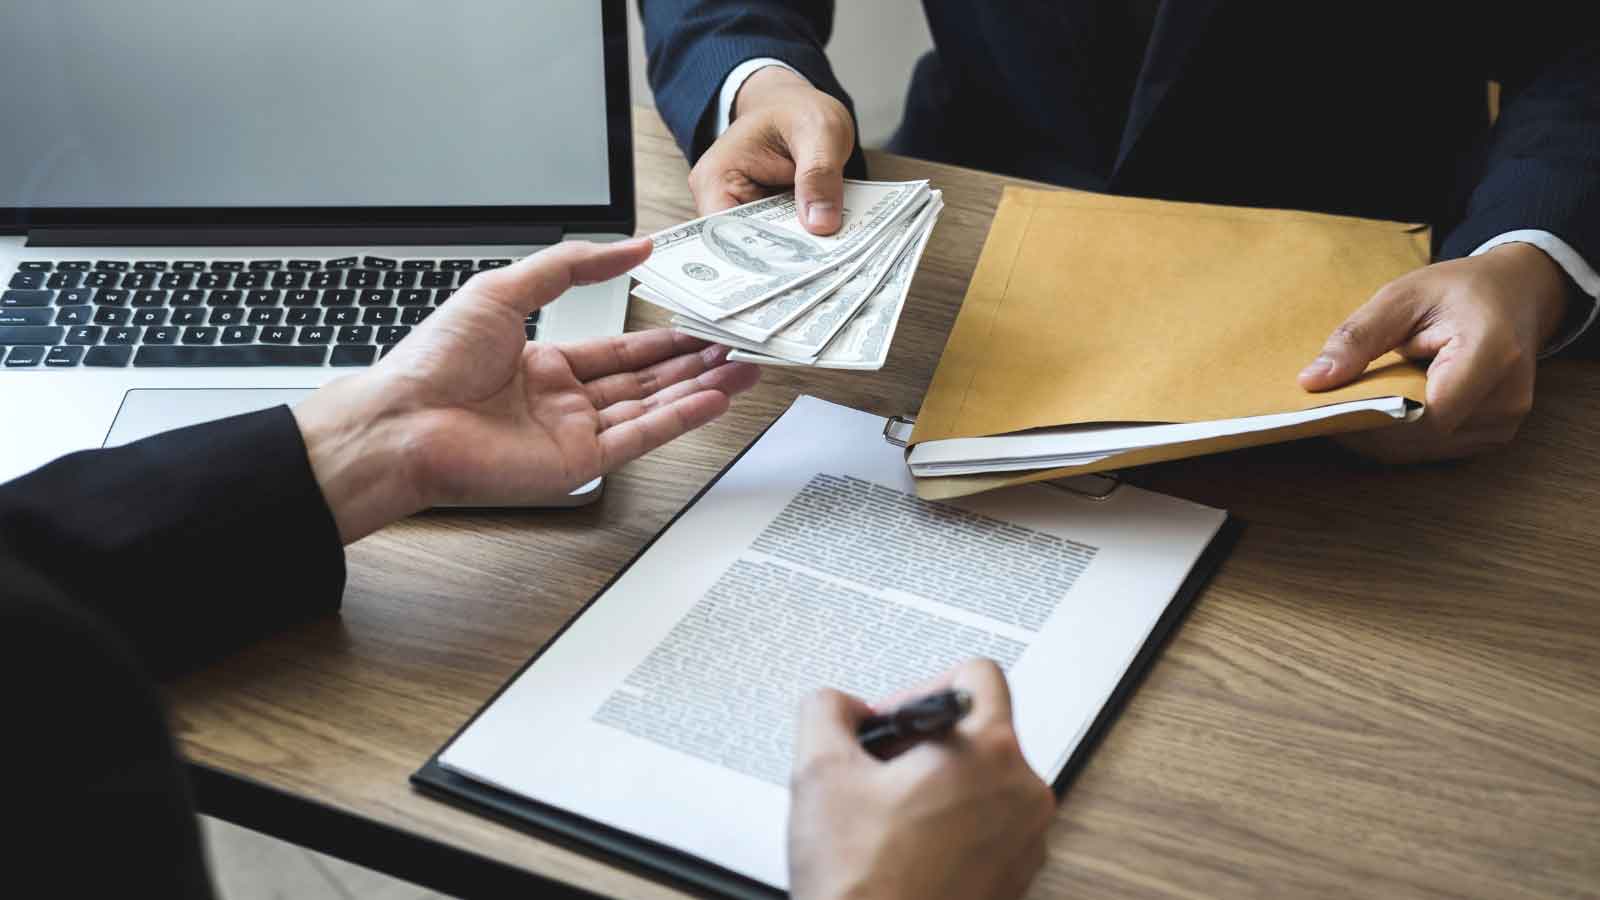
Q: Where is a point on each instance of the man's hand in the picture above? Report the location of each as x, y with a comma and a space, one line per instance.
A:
467, 411
785, 132
1482, 320
960, 817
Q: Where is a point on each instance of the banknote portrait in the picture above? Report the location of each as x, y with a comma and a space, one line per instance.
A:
758, 247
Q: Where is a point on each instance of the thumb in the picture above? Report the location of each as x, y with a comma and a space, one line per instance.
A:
539, 278
819, 159
826, 727
1380, 325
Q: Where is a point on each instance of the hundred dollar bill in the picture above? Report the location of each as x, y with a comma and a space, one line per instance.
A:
802, 339
725, 263
864, 341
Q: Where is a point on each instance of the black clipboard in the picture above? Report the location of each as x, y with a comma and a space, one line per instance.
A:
688, 872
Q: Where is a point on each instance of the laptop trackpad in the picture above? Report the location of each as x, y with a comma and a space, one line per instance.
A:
148, 411
151, 411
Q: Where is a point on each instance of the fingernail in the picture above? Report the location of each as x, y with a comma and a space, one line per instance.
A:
820, 212
1319, 367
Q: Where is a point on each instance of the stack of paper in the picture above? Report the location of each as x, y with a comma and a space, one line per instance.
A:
754, 279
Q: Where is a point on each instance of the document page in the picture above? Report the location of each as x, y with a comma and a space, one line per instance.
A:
666, 709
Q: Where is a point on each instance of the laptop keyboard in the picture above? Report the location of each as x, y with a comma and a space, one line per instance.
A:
296, 312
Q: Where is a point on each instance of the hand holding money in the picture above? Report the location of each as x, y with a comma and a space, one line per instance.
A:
754, 279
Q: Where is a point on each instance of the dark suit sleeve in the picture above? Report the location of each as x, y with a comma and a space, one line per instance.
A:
692, 45
187, 544
1540, 166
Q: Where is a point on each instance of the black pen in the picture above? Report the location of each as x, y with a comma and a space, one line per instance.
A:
925, 717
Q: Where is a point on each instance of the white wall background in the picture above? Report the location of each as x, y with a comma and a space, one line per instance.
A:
875, 44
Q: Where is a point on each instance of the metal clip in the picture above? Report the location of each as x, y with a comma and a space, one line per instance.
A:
897, 430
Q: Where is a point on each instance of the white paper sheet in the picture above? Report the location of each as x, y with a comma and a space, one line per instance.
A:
664, 709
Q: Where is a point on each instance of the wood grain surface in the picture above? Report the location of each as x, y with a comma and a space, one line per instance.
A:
1391, 689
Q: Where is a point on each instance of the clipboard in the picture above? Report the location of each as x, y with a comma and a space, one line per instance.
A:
686, 871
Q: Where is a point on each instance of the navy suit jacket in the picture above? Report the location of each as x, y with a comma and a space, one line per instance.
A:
1360, 107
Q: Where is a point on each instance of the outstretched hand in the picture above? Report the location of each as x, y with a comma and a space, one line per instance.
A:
467, 411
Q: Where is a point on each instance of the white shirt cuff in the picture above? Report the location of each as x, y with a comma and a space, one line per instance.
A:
736, 80
1568, 259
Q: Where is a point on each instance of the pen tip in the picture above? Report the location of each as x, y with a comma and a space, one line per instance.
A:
963, 701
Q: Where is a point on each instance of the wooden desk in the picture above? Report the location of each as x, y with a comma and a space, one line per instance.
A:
1392, 688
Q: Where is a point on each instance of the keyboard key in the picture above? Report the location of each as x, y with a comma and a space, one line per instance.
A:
532, 331
13, 299
265, 316
116, 357
59, 280
263, 298
415, 297
438, 279
218, 265
442, 294
362, 278
28, 315
111, 315
377, 262
150, 265
35, 266
27, 280
63, 357
225, 315
84, 335
532, 317
303, 316
238, 334
316, 335
281, 334
188, 316
100, 279
199, 335
343, 315
74, 296
266, 265
24, 357
355, 334
224, 298
164, 335
110, 297
146, 317
289, 279
188, 265
31, 334
392, 334
213, 280
457, 265
299, 298
188, 298
353, 356
493, 264
343, 262
175, 281
377, 297
304, 265
248, 280
379, 315
399, 279
149, 298
414, 315
74, 315
109, 265
138, 281
325, 279
464, 277
74, 265
230, 356
417, 264
384, 350
338, 298
122, 336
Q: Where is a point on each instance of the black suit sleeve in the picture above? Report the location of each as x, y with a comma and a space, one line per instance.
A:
187, 544
115, 562
692, 46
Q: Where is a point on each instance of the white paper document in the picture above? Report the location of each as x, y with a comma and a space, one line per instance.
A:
666, 709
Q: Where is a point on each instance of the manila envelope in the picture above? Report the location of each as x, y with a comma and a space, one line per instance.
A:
1088, 308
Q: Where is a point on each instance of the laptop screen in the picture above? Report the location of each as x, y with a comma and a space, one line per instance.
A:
304, 103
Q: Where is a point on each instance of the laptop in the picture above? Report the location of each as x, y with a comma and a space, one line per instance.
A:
209, 207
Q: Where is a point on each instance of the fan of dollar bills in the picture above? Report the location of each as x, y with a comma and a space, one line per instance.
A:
754, 279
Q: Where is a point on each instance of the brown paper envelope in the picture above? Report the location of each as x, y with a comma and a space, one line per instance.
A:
1092, 308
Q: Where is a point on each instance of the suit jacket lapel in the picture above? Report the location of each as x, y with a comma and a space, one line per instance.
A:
1179, 26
